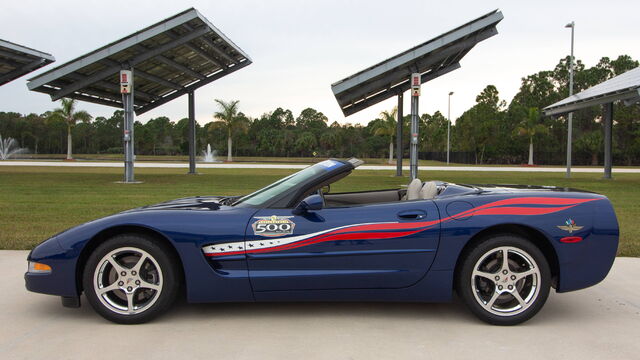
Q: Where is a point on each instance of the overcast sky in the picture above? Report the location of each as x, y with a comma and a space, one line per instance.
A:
299, 47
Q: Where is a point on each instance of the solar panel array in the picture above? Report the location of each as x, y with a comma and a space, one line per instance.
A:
17, 60
170, 58
431, 59
624, 87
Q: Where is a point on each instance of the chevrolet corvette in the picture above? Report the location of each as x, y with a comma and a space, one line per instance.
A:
501, 248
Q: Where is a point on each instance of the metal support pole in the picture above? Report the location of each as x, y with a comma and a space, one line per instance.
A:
399, 149
449, 127
192, 134
414, 137
127, 103
571, 25
608, 124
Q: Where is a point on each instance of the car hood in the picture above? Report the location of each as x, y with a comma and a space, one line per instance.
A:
189, 203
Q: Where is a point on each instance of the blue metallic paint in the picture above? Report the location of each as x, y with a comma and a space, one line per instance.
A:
419, 267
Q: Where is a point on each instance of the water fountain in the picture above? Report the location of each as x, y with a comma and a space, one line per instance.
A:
210, 156
9, 147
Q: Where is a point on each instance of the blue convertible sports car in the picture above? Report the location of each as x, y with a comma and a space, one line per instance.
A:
501, 248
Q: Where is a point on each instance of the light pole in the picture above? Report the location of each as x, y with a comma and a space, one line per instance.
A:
449, 127
571, 25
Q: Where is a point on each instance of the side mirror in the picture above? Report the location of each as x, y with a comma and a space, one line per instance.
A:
310, 203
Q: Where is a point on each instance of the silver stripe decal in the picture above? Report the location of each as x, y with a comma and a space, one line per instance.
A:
271, 242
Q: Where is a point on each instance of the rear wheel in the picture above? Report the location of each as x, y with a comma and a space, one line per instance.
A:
504, 280
130, 279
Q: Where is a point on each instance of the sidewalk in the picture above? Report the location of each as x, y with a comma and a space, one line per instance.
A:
602, 322
144, 164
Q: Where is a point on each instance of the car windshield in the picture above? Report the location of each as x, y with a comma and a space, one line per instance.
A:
283, 185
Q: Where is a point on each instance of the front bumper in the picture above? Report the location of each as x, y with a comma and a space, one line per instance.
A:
62, 279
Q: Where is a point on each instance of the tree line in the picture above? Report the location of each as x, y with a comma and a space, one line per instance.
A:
491, 131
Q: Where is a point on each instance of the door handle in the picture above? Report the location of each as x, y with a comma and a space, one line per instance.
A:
412, 215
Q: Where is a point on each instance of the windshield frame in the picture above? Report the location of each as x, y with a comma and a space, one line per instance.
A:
326, 169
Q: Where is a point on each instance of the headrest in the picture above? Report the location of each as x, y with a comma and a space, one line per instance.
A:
429, 190
413, 190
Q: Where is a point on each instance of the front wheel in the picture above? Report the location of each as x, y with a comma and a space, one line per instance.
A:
504, 280
130, 279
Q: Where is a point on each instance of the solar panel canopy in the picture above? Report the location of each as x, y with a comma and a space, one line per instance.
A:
432, 59
17, 60
170, 58
624, 87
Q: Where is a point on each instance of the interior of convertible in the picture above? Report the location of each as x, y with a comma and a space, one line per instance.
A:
317, 179
416, 190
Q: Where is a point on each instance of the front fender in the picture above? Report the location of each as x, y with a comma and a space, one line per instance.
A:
187, 231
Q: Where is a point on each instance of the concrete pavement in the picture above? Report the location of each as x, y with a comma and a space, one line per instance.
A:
596, 323
145, 164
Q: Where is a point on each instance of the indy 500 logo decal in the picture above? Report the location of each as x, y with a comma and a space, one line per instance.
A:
273, 226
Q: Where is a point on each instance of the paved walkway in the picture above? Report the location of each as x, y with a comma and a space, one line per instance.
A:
602, 322
144, 164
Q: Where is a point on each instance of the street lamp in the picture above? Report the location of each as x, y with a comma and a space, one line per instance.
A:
571, 25
449, 128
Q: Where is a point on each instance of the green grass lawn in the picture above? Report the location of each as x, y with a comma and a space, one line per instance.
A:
37, 202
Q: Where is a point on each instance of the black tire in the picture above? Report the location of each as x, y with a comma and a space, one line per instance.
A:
154, 287
492, 298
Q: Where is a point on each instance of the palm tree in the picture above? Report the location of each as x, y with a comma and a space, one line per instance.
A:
70, 116
531, 127
386, 126
229, 117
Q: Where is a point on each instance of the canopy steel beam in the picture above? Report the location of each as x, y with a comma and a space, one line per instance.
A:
114, 87
219, 51
14, 63
438, 56
9, 76
20, 69
158, 80
106, 95
101, 101
190, 87
180, 67
111, 70
624, 87
17, 61
600, 100
196, 49
400, 88
12, 55
206, 57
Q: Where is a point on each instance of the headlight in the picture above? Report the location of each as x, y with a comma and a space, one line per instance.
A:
39, 268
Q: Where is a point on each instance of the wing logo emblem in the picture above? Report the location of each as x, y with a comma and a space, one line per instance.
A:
570, 226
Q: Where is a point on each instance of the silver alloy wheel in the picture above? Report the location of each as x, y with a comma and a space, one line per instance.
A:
505, 281
128, 280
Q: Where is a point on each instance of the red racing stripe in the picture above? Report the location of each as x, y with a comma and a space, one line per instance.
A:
350, 236
389, 226
524, 201
515, 210
357, 232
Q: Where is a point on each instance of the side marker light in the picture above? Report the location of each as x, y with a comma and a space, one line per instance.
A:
39, 268
571, 239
